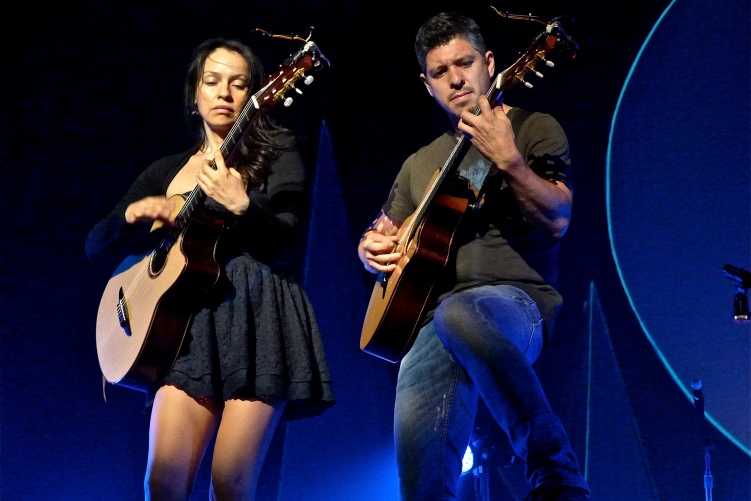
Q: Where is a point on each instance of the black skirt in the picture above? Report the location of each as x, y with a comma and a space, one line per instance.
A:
256, 338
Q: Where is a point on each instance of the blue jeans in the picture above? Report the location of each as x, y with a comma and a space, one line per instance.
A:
481, 342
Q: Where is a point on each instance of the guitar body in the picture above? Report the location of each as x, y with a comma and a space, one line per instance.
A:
399, 300
158, 304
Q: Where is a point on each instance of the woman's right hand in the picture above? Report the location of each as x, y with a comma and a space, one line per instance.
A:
151, 209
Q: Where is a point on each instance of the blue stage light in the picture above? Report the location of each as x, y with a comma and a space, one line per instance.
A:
468, 461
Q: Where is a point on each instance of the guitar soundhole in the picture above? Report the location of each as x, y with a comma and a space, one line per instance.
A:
159, 258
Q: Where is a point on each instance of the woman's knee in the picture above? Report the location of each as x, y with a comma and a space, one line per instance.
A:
227, 482
166, 482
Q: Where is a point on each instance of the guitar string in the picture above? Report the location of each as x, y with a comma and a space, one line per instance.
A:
419, 212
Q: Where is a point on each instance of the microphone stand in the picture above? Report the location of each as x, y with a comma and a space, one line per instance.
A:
708, 482
708, 446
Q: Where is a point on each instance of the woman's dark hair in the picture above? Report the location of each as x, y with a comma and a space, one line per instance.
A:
265, 139
441, 29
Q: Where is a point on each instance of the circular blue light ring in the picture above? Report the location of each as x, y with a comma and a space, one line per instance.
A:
664, 360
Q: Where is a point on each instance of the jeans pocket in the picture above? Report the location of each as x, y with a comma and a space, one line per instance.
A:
534, 344
523, 298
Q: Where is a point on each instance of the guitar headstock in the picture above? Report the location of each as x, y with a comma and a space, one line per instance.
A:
552, 37
296, 67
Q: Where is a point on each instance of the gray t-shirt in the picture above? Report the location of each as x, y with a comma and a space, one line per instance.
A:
499, 246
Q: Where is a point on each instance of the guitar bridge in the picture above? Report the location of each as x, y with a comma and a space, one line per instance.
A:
122, 311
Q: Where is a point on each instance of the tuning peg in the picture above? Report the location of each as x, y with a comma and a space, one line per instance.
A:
308, 80
549, 64
297, 90
288, 102
519, 79
530, 67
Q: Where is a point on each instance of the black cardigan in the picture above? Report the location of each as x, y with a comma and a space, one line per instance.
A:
267, 228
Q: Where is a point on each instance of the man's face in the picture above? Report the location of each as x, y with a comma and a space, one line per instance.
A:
456, 75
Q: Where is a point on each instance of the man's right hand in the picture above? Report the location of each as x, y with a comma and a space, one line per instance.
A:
376, 251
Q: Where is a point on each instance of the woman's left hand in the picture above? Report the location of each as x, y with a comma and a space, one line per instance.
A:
225, 185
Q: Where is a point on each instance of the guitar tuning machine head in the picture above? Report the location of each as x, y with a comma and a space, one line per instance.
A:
541, 58
520, 80
531, 68
308, 80
288, 102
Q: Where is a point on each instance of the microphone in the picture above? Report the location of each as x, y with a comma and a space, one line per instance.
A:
742, 281
698, 396
739, 276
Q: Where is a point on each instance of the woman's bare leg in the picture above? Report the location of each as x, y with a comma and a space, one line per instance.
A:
244, 435
180, 431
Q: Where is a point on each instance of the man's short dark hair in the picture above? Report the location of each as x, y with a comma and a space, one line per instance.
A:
441, 29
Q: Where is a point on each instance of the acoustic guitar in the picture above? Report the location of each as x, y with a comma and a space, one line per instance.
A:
401, 298
149, 301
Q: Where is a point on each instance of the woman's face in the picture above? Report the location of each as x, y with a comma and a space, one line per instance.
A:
222, 90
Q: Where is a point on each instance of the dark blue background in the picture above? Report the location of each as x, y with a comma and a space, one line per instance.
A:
92, 94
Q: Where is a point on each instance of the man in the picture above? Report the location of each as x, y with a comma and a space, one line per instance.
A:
496, 303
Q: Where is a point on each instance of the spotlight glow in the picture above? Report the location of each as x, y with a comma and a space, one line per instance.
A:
468, 461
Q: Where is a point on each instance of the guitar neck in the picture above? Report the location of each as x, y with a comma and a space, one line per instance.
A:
509, 77
197, 197
457, 154
274, 89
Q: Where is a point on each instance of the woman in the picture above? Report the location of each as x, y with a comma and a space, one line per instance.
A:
253, 352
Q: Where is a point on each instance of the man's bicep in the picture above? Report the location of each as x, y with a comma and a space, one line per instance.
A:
564, 188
